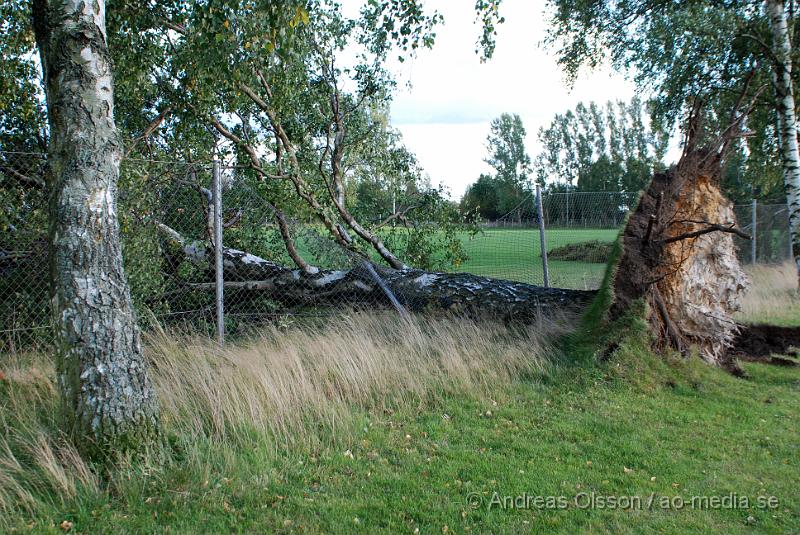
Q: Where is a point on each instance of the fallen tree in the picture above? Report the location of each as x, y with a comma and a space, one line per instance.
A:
677, 254
418, 290
673, 276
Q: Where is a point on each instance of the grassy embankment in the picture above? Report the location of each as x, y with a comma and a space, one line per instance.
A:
367, 425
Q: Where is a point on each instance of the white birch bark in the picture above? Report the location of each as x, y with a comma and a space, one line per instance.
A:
782, 48
457, 293
102, 375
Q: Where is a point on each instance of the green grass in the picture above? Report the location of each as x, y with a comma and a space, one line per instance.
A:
637, 427
681, 446
515, 254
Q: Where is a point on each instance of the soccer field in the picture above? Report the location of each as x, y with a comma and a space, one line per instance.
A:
515, 254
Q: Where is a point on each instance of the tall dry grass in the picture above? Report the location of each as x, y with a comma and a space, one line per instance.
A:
291, 382
772, 297
36, 461
291, 385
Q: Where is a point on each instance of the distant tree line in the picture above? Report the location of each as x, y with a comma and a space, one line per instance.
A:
500, 192
600, 148
597, 148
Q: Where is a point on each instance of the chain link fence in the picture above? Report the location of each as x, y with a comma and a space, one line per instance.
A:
24, 276
167, 213
769, 225
579, 230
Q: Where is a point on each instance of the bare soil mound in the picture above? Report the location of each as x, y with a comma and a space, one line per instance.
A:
767, 343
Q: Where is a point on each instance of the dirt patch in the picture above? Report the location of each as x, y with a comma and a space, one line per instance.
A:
766, 343
594, 251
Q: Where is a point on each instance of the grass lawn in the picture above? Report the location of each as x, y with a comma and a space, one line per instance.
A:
515, 254
652, 435
443, 469
367, 425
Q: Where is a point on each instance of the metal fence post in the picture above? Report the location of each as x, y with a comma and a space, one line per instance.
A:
542, 241
386, 290
216, 189
753, 232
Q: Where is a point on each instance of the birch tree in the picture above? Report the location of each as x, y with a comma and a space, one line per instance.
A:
782, 46
108, 398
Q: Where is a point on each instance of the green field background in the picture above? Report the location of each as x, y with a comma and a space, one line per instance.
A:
515, 254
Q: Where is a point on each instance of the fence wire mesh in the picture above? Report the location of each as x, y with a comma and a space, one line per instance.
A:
772, 244
24, 277
580, 228
166, 217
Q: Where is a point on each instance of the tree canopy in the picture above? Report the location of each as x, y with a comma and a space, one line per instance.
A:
496, 194
294, 94
719, 52
600, 148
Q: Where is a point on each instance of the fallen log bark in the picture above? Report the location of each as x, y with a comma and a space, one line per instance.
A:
418, 290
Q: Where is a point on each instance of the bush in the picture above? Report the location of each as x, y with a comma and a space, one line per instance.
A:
594, 251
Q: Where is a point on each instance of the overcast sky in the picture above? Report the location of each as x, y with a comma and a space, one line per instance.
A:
444, 116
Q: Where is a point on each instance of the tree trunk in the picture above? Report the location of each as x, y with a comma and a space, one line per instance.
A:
782, 48
108, 397
678, 257
457, 293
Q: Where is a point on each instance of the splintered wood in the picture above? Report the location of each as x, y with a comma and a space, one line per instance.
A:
678, 255
704, 280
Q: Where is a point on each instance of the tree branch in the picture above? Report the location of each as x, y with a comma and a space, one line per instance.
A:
401, 215
34, 181
148, 131
711, 228
301, 187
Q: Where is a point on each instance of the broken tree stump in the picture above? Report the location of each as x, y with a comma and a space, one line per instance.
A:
678, 255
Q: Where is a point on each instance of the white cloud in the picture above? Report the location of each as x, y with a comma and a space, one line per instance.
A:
444, 116
451, 153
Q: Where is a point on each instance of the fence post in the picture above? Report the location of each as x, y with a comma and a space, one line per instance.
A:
753, 232
542, 241
386, 290
216, 190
